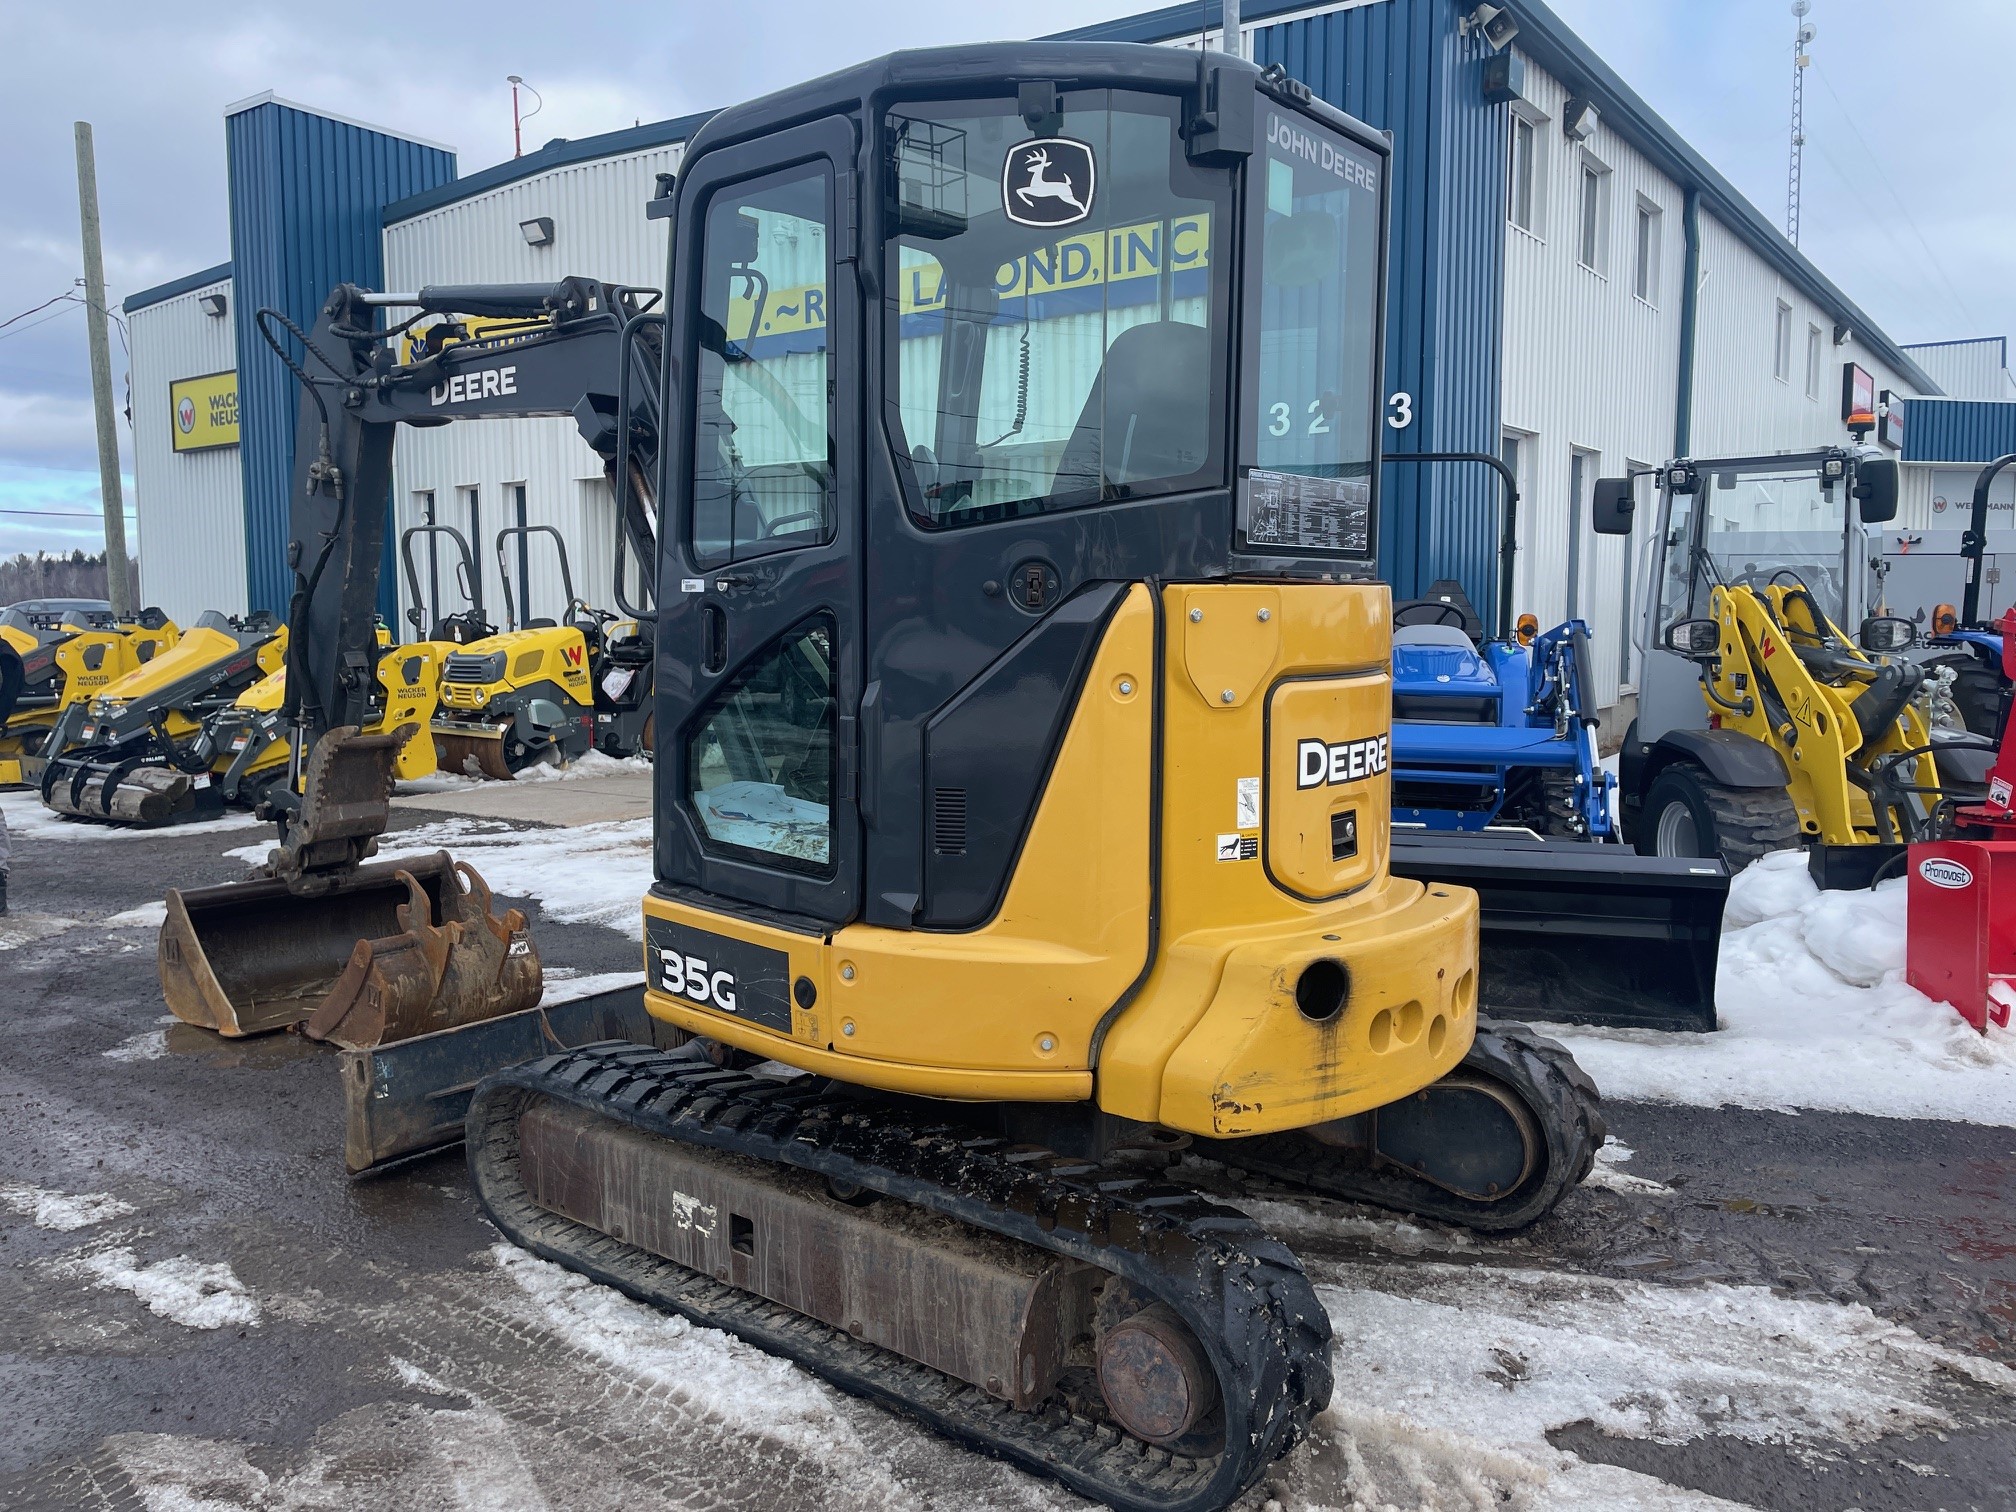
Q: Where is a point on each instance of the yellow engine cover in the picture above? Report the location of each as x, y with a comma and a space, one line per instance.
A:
1200, 931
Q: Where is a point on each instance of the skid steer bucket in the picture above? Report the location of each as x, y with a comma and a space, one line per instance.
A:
1578, 933
394, 950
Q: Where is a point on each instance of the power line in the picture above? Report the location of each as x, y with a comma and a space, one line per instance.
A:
69, 294
63, 514
1902, 209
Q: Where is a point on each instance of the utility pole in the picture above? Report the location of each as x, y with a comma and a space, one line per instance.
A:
1800, 58
118, 589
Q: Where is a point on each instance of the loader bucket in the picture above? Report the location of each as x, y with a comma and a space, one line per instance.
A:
1580, 933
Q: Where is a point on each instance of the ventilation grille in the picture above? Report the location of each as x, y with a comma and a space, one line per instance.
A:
948, 821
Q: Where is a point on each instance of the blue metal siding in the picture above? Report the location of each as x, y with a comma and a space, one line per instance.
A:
307, 194
1958, 430
1400, 66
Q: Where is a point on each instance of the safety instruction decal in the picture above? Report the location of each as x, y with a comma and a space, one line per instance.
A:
1237, 847
1249, 803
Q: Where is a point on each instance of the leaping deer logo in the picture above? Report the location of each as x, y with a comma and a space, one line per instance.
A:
1040, 187
1048, 182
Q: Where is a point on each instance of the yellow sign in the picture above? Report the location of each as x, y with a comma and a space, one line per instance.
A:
204, 411
1112, 256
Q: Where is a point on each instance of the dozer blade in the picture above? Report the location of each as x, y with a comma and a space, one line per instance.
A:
361, 955
405, 1098
1581, 933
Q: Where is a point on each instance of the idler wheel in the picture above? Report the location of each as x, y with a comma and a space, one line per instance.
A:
1153, 1373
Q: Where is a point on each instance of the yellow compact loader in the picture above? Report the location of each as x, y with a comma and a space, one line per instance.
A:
108, 757
1023, 720
1762, 724
66, 659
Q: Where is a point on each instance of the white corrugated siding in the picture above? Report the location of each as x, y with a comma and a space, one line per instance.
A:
1967, 369
599, 231
190, 505
1588, 366
1740, 407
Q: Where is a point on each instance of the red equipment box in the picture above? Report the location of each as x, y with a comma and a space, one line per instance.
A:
1961, 942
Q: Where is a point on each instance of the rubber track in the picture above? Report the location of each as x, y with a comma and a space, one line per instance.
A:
1241, 1292
1564, 1103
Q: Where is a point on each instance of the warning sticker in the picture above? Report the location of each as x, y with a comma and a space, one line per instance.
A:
1249, 803
1238, 847
1321, 514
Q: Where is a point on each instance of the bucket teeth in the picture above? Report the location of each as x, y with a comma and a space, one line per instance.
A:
472, 966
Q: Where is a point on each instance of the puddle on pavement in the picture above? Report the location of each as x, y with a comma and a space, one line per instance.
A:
253, 1051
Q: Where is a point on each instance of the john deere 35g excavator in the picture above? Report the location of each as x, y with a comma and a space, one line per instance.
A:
1023, 771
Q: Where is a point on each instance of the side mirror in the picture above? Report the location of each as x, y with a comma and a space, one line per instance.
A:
1883, 634
1615, 500
1876, 486
1695, 639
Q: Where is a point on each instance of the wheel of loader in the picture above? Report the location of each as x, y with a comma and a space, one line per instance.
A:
1689, 813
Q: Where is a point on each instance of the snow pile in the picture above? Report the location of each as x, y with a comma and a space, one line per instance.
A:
564, 984
60, 1210
1449, 1378
1815, 1014
1605, 1173
182, 1290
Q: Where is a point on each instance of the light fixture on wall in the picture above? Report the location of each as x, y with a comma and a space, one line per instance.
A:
1578, 119
1841, 335
1494, 21
538, 231
214, 304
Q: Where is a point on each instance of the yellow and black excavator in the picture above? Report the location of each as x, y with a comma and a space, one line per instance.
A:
56, 659
1024, 708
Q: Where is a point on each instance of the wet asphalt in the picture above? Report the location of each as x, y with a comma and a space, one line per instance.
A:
234, 1150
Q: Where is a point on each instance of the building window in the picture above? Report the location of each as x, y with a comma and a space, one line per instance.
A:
1523, 184
1645, 254
1813, 362
1582, 467
1592, 216
1781, 345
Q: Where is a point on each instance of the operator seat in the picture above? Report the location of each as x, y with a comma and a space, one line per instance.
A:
1147, 416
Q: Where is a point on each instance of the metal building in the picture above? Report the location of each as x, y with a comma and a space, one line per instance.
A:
1571, 286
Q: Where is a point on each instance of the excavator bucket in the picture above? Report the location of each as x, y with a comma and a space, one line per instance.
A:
358, 955
394, 950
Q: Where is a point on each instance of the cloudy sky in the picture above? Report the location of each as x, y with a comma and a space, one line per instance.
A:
1907, 188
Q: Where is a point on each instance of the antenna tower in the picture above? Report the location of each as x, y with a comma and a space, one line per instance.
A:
1803, 38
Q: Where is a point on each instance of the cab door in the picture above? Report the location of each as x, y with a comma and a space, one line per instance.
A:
758, 672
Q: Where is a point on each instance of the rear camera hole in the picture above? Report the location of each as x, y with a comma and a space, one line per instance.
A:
1321, 990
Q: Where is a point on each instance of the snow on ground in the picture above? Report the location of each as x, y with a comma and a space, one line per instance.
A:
146, 916
581, 874
1472, 1366
1815, 1014
564, 985
27, 819
62, 1211
701, 1367
148, 1044
193, 1293
592, 764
